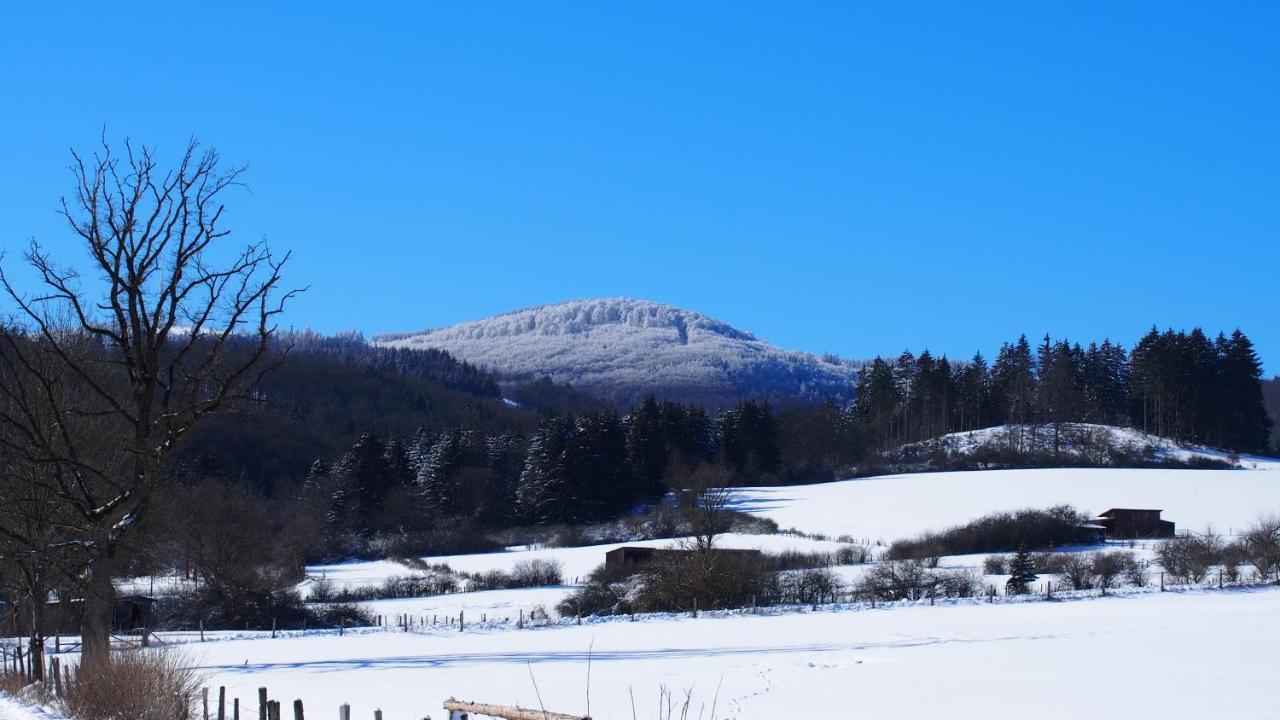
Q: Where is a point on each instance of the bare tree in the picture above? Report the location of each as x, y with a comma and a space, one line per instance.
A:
165, 329
1262, 545
705, 504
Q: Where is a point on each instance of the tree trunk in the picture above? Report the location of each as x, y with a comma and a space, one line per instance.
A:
99, 607
36, 644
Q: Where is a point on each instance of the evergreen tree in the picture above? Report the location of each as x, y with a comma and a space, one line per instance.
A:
647, 449
1247, 426
1022, 573
544, 492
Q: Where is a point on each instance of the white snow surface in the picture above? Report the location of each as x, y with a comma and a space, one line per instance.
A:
12, 708
892, 507
1061, 659
622, 349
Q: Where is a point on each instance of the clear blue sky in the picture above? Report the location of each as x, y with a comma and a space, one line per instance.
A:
849, 177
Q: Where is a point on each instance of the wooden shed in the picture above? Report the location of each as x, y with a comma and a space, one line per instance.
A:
631, 557
1134, 524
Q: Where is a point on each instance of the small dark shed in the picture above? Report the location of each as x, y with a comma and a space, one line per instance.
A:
1134, 523
633, 556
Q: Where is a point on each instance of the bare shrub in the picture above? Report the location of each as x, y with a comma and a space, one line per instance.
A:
537, 572
1048, 562
1188, 558
1232, 556
11, 682
998, 532
995, 565
853, 554
1076, 571
1262, 545
342, 615
913, 580
1108, 567
809, 586
1136, 574
137, 684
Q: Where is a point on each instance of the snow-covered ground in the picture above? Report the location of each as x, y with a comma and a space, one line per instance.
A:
891, 507
1191, 653
493, 604
1208, 654
12, 708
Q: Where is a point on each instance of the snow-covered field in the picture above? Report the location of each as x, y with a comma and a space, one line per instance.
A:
891, 507
1174, 655
1196, 653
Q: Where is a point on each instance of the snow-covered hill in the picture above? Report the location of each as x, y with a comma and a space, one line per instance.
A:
891, 507
1079, 443
622, 349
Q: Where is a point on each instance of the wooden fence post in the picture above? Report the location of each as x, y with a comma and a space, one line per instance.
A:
462, 623
262, 703
204, 698
235, 709
377, 715
1162, 581
344, 712
297, 710
273, 710
222, 702
201, 631
57, 679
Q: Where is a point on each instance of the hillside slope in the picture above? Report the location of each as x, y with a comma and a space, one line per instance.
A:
892, 507
1076, 444
622, 349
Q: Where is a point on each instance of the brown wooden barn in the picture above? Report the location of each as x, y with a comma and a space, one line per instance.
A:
1134, 524
633, 556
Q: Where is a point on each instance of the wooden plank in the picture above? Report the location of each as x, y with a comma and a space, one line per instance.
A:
507, 712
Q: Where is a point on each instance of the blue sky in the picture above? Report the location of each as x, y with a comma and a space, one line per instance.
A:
857, 178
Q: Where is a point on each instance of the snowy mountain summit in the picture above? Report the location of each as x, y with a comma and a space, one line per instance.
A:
622, 349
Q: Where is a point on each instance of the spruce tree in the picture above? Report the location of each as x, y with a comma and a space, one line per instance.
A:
1022, 573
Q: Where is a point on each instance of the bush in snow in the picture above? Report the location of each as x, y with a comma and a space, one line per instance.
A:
535, 573
999, 532
852, 554
1188, 558
1076, 571
913, 580
995, 565
815, 585
136, 684
1108, 568
1262, 545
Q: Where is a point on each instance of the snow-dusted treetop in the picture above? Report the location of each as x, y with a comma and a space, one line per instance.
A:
621, 349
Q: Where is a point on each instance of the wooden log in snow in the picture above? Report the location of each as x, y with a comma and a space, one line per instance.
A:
506, 712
